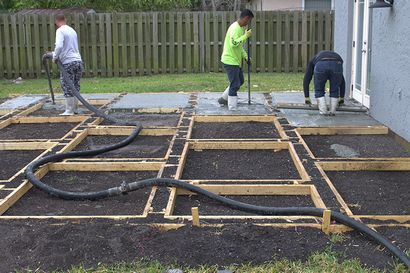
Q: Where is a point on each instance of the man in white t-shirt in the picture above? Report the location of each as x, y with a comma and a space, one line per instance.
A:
66, 51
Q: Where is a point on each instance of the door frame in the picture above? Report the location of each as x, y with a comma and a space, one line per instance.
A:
361, 94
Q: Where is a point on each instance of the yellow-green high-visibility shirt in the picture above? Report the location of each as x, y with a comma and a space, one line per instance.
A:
233, 51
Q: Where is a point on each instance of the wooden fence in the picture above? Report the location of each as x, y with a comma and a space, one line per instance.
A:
128, 44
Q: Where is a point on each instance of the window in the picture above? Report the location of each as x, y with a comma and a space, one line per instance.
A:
318, 4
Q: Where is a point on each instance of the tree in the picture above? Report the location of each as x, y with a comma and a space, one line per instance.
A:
215, 5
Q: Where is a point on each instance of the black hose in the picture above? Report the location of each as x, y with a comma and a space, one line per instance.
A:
45, 59
163, 182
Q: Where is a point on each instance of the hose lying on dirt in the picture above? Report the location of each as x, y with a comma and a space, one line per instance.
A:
163, 182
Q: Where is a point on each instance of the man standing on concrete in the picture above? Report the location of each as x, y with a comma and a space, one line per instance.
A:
232, 56
66, 51
326, 65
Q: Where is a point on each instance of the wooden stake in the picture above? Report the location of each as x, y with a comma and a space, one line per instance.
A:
326, 221
195, 217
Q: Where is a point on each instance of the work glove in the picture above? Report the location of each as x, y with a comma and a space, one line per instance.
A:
248, 33
249, 62
308, 101
341, 101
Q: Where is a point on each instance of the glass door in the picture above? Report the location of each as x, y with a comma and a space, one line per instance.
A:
361, 53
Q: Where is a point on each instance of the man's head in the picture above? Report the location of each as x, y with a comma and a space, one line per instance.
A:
245, 17
60, 20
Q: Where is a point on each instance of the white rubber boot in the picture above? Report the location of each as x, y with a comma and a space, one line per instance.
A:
224, 99
225, 95
233, 103
334, 102
69, 106
321, 103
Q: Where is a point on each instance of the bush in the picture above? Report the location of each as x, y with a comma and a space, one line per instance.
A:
106, 5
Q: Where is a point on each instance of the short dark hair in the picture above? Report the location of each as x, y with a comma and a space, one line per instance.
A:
246, 13
60, 17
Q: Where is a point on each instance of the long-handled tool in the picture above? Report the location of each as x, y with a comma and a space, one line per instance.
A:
249, 71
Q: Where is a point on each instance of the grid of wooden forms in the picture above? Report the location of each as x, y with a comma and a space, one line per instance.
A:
328, 131
244, 145
118, 131
363, 166
19, 192
39, 120
248, 190
234, 119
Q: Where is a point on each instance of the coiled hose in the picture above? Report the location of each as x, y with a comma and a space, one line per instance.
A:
163, 182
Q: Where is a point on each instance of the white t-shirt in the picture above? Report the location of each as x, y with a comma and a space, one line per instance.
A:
66, 47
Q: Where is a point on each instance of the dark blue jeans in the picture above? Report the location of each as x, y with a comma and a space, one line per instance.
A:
328, 70
235, 76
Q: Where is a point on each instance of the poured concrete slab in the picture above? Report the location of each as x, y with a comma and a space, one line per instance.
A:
208, 105
21, 102
97, 96
152, 100
308, 118
297, 97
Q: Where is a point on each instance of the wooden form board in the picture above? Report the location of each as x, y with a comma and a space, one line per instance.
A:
36, 120
18, 192
253, 190
6, 112
99, 120
237, 118
118, 131
363, 166
244, 145
26, 146
326, 131
368, 130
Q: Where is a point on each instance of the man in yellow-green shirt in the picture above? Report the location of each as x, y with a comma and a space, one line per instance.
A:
232, 56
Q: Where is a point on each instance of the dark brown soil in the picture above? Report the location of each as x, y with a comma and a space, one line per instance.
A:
37, 130
141, 147
206, 206
232, 130
12, 161
36, 202
44, 246
356, 146
239, 164
291, 134
164, 120
4, 193
371, 192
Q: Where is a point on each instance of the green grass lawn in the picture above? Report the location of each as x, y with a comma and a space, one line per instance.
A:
214, 82
327, 261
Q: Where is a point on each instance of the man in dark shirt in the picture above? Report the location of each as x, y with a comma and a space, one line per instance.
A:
326, 65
